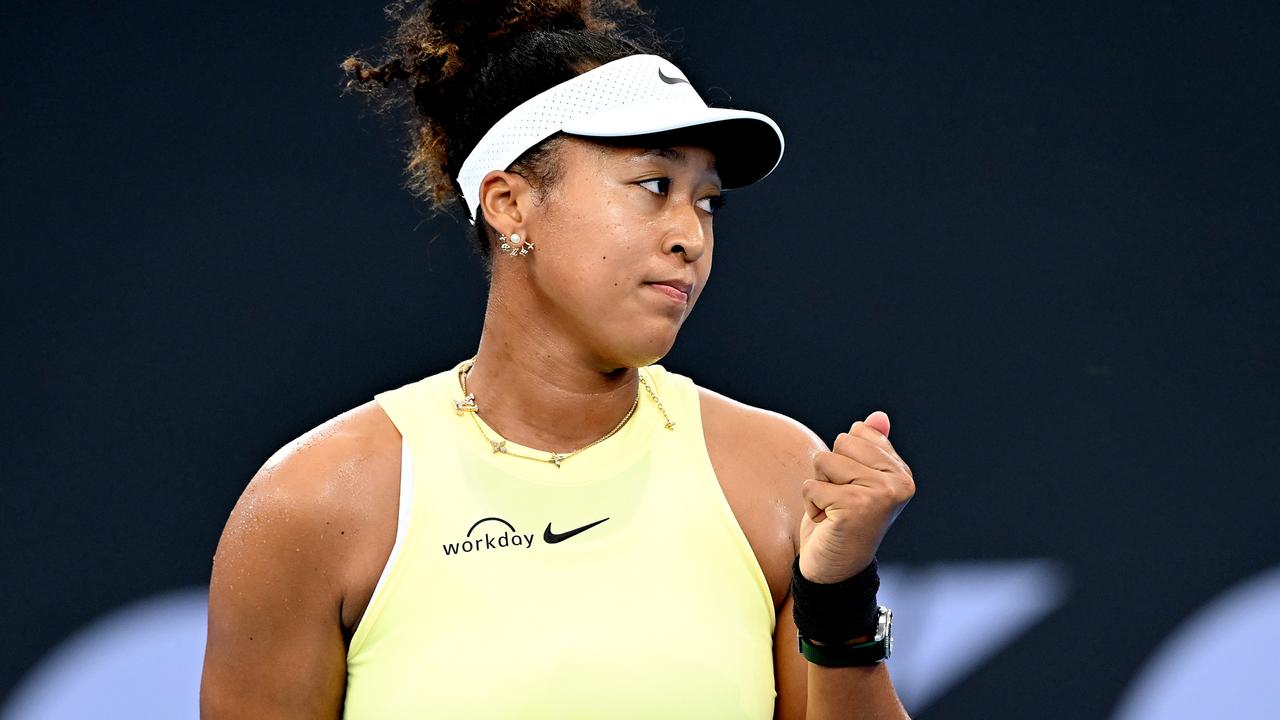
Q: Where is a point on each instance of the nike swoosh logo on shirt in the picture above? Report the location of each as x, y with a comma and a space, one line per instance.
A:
552, 537
671, 80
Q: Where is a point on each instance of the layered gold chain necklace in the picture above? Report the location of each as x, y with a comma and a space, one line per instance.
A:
468, 405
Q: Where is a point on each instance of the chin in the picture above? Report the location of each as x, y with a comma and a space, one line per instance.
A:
641, 350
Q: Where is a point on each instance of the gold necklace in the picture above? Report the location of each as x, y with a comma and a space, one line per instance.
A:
468, 405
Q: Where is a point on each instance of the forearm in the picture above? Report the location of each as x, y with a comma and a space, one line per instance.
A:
852, 693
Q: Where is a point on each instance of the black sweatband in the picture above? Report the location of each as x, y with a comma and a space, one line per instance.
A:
835, 612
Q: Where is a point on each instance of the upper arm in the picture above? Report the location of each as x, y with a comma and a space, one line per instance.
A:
791, 669
775, 453
275, 642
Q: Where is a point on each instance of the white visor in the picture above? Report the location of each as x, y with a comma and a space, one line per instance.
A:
638, 95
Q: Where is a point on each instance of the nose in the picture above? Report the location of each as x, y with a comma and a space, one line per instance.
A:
686, 234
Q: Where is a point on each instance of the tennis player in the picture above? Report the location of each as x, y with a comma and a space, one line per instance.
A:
558, 527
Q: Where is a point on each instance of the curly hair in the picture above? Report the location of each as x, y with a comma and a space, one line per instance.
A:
458, 66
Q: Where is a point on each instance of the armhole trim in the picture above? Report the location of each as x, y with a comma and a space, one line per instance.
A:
402, 530
737, 535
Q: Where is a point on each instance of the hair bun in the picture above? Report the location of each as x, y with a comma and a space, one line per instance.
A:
439, 40
465, 63
468, 30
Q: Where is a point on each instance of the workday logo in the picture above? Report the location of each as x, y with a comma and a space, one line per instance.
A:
510, 537
487, 541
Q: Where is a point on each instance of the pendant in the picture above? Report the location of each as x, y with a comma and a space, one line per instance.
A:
466, 404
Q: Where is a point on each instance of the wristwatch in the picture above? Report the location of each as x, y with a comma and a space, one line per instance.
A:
875, 650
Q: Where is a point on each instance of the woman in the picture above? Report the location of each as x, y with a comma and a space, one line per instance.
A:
558, 527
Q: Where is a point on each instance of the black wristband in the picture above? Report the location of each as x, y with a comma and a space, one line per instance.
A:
835, 612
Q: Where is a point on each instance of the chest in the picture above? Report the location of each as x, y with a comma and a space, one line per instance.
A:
584, 617
755, 500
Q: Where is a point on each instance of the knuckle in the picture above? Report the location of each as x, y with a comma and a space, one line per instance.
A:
842, 443
822, 462
888, 460
909, 485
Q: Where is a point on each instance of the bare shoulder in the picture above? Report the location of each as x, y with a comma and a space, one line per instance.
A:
290, 568
322, 477
755, 429
335, 490
761, 459
339, 445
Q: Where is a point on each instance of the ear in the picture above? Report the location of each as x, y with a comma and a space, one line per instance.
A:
505, 199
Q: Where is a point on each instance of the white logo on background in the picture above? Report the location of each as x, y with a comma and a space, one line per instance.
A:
951, 618
1223, 662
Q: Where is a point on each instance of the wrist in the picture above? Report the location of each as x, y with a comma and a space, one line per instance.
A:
839, 624
852, 653
820, 579
838, 612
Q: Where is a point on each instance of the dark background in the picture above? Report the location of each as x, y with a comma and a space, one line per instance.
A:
1041, 236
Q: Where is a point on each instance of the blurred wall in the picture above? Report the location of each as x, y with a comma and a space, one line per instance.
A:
1041, 236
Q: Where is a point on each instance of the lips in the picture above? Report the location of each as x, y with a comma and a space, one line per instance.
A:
675, 289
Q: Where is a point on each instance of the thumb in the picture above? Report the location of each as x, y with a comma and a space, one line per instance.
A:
880, 421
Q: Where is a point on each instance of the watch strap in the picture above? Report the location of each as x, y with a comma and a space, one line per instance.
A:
862, 654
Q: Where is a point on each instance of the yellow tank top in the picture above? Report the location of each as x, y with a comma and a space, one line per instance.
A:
618, 585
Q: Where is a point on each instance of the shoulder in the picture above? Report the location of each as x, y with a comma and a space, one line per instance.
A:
284, 570
757, 430
323, 504
770, 453
325, 471
328, 459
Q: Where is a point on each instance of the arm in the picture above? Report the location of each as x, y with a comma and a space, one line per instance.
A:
776, 456
812, 692
807, 691
275, 645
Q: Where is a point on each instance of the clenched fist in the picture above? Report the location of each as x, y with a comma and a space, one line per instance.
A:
856, 493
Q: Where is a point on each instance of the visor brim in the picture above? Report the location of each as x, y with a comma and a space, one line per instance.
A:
747, 145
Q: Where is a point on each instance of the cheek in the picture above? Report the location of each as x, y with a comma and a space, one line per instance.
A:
593, 261
591, 213
603, 238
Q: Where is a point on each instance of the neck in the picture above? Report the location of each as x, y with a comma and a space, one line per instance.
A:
541, 391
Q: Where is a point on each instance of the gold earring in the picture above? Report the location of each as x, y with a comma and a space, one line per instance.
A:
516, 246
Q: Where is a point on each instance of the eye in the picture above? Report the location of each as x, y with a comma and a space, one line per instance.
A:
712, 203
660, 186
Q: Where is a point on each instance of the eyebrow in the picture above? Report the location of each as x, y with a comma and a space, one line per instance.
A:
667, 153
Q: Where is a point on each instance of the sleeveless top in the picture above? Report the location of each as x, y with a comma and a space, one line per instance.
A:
618, 585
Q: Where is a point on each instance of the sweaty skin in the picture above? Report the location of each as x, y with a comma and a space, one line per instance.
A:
564, 328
